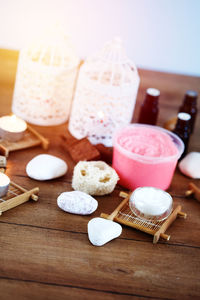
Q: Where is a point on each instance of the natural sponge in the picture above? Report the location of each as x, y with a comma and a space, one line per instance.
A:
94, 178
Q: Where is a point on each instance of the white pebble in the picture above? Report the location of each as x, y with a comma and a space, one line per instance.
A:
77, 203
101, 231
190, 165
46, 167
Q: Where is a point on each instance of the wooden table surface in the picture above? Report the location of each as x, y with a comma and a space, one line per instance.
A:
45, 252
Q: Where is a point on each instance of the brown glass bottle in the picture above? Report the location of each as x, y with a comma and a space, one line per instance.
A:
183, 129
189, 106
149, 108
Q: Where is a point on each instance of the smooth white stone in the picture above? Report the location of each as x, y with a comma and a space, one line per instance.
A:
77, 202
190, 165
46, 167
101, 231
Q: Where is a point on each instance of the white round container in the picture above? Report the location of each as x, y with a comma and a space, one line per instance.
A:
12, 128
150, 203
4, 184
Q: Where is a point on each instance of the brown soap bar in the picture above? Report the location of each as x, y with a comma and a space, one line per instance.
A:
81, 149
69, 139
106, 153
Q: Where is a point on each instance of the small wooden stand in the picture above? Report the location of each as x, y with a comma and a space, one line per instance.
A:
193, 190
17, 195
170, 124
31, 139
123, 215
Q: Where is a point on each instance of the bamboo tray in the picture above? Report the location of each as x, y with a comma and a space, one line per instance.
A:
123, 215
31, 139
193, 190
17, 195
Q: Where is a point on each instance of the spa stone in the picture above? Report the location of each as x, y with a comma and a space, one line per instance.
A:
46, 167
101, 231
77, 202
190, 165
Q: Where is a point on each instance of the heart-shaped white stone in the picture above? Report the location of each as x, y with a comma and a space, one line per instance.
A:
46, 167
101, 231
77, 202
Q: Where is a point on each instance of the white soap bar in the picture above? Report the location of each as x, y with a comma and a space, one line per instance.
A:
101, 231
77, 203
94, 178
150, 201
46, 167
190, 165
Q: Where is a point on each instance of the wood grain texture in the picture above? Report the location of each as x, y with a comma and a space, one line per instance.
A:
40, 291
45, 252
65, 258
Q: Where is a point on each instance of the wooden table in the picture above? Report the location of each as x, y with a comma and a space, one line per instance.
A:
45, 252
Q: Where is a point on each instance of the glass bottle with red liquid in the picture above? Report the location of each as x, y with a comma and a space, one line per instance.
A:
189, 106
149, 108
183, 129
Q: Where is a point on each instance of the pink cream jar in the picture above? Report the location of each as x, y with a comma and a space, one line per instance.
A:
146, 155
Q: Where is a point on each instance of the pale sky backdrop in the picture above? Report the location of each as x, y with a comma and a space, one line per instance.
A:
158, 34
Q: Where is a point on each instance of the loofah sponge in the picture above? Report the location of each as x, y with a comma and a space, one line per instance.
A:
94, 178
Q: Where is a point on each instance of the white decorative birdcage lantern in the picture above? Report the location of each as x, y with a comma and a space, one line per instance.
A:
105, 95
45, 80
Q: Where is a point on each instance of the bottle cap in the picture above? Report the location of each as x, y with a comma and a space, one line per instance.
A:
184, 116
191, 94
153, 92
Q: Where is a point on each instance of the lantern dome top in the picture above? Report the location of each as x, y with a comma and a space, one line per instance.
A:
114, 52
53, 47
111, 65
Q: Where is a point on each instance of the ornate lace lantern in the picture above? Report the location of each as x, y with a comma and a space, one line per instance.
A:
45, 79
105, 96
